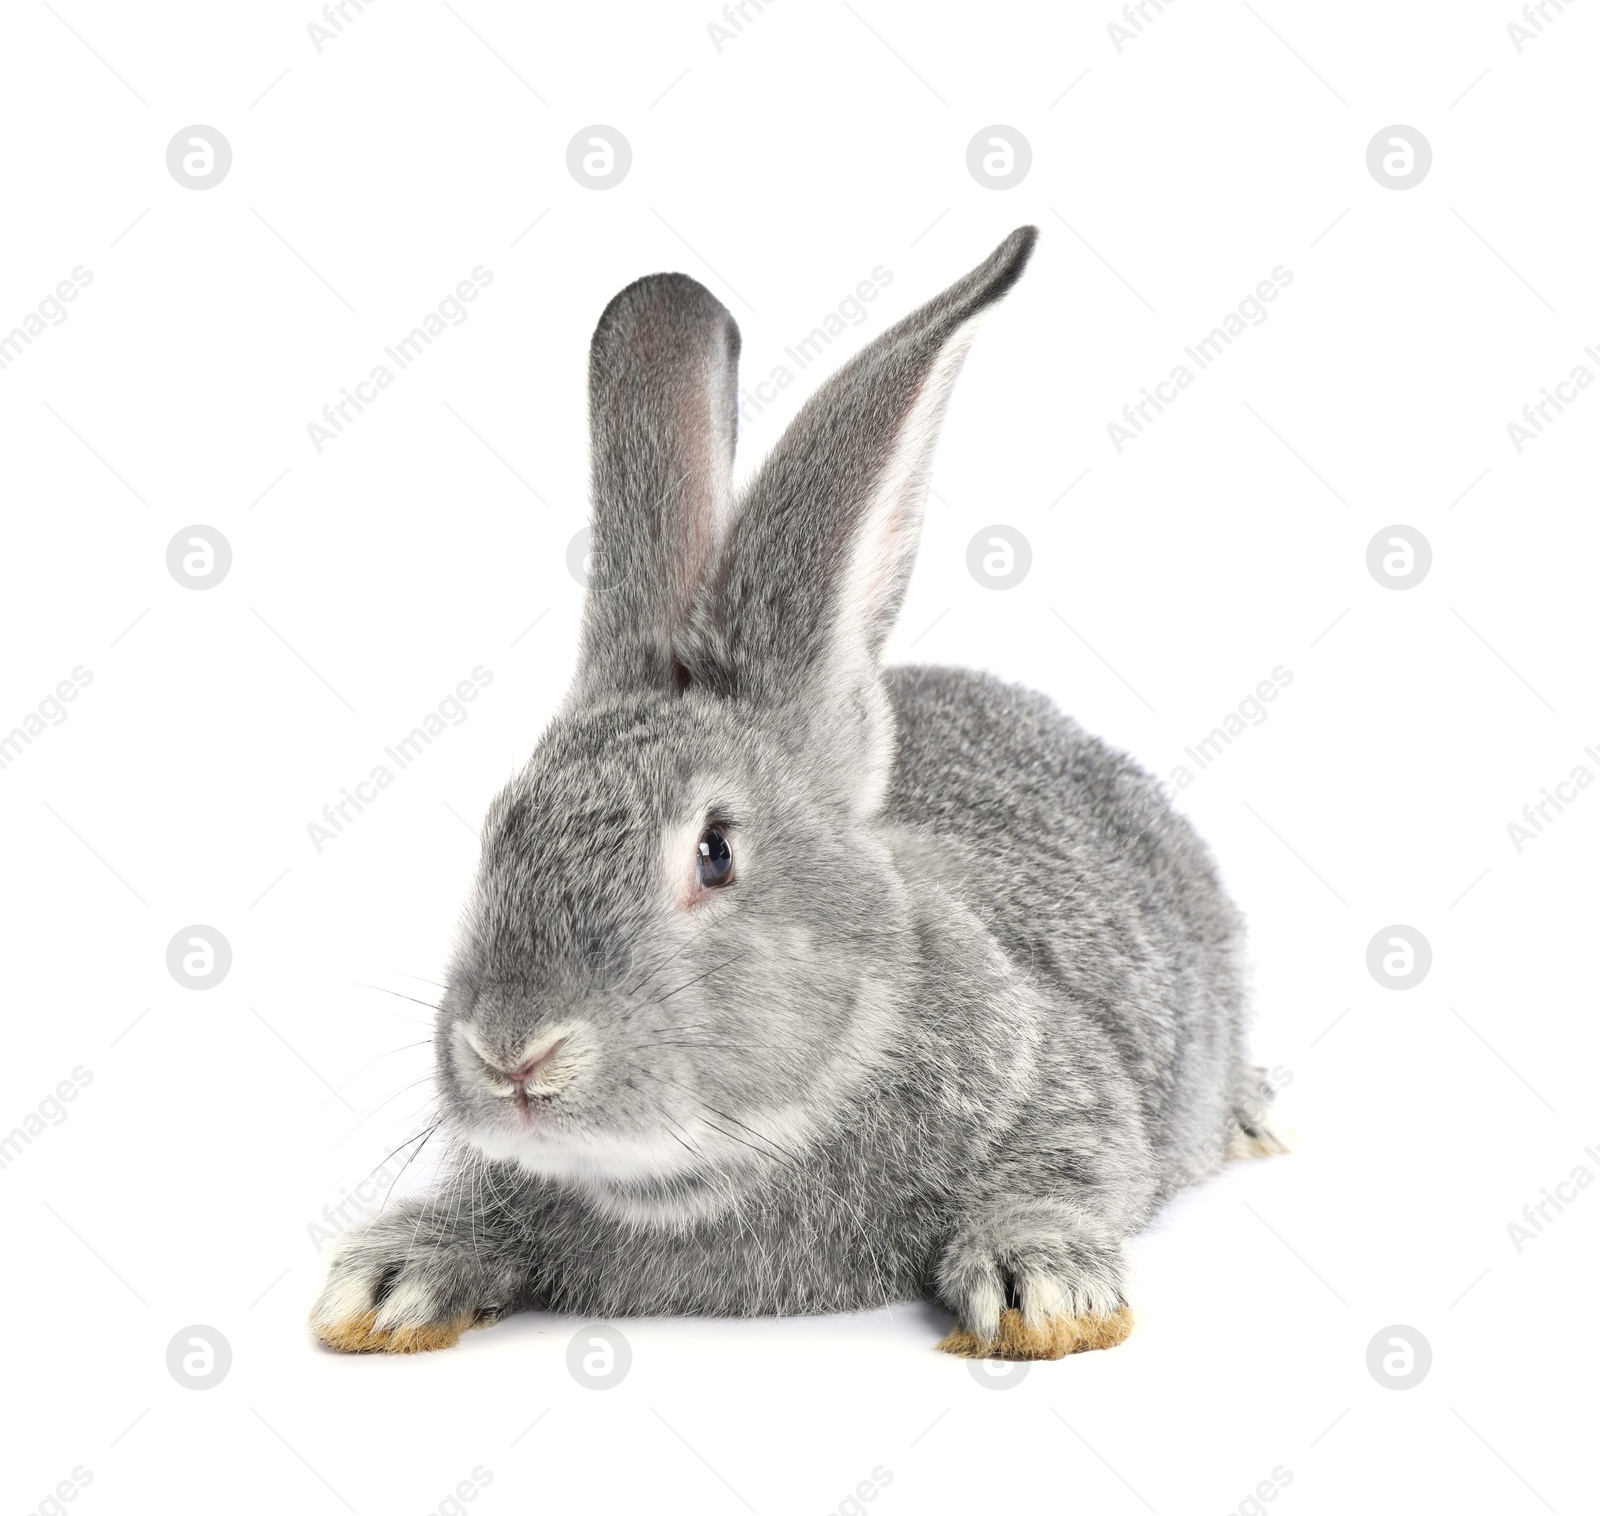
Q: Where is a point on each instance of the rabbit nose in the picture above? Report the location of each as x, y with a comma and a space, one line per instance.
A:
507, 1069
534, 1066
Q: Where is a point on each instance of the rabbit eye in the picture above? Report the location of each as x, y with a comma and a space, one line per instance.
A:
715, 863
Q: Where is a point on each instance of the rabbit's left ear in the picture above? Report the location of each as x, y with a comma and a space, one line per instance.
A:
663, 376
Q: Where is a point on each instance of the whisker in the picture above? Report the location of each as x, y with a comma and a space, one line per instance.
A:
678, 1083
409, 1161
693, 938
368, 1064
420, 980
385, 990
733, 1138
380, 1105
792, 1157
714, 969
407, 1143
728, 1047
681, 1141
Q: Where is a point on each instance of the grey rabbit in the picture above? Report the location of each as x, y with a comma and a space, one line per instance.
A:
791, 983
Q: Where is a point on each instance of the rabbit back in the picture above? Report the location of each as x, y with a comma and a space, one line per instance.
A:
1091, 883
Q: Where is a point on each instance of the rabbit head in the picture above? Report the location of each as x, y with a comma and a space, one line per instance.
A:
687, 939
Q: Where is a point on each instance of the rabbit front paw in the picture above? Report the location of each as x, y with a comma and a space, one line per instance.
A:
1053, 1335
392, 1288
1032, 1280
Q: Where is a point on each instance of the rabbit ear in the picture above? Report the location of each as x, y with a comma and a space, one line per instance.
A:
815, 567
663, 367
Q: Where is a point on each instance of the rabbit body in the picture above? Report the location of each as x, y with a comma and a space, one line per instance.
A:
792, 984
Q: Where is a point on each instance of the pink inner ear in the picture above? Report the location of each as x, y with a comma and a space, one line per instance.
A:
698, 507
891, 524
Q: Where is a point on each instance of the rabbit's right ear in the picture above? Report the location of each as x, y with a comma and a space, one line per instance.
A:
804, 594
663, 379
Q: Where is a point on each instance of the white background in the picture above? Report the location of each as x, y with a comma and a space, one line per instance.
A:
367, 580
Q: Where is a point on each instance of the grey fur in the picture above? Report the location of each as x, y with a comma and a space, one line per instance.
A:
971, 1008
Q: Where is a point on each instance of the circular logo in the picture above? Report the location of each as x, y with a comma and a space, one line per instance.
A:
199, 1358
996, 1374
1399, 157
1399, 1358
999, 157
1151, 805
597, 571
199, 557
199, 157
1399, 957
599, 157
599, 1357
609, 962
1399, 557
999, 557
199, 957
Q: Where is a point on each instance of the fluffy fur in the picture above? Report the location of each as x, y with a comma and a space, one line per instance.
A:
970, 1007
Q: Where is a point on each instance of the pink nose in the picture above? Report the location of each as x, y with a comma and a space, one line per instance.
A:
532, 1068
